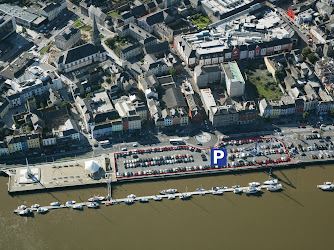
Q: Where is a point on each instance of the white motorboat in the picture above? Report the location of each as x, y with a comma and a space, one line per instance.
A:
157, 198
77, 207
271, 182
215, 188
101, 198
129, 201
200, 189
171, 197
185, 196
35, 206
217, 192
93, 205
223, 187
22, 207
70, 203
42, 210
25, 212
93, 199
273, 188
168, 191
236, 186
55, 204
254, 184
132, 196
237, 190
143, 200
252, 190
327, 186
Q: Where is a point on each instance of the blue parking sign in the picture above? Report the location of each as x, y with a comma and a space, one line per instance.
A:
218, 157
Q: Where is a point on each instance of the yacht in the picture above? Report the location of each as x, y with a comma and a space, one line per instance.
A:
273, 188
217, 192
129, 201
185, 196
42, 210
35, 206
271, 182
70, 203
143, 200
157, 198
22, 207
171, 197
25, 212
77, 207
327, 186
55, 204
236, 189
93, 205
168, 191
252, 190
254, 184
132, 196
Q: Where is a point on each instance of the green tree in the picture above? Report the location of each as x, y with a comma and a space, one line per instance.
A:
267, 117
306, 115
306, 51
42, 105
312, 58
262, 66
332, 111
24, 30
172, 71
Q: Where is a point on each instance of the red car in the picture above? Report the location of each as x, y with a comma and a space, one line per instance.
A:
302, 126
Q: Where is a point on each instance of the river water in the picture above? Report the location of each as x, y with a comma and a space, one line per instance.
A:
300, 217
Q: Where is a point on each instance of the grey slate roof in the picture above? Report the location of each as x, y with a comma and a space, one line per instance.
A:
174, 98
80, 52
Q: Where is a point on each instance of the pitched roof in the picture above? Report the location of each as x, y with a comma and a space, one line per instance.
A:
80, 52
174, 98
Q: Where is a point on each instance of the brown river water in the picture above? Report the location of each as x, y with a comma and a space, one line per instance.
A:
300, 217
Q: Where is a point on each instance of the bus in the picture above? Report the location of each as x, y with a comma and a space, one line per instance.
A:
176, 141
104, 142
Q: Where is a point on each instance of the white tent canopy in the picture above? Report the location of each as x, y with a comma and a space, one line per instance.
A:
92, 166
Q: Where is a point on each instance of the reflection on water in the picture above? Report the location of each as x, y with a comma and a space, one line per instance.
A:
300, 217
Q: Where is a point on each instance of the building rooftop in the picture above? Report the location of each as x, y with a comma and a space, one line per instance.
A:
18, 12
80, 52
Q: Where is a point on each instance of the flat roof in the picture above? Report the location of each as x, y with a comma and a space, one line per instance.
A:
208, 98
17, 12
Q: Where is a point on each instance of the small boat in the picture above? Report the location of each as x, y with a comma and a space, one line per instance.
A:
254, 184
131, 196
168, 191
93, 205
200, 189
237, 190
22, 207
25, 212
70, 202
101, 198
94, 199
129, 201
143, 200
42, 210
217, 192
215, 188
171, 197
55, 204
108, 203
236, 186
273, 188
252, 190
77, 207
185, 196
271, 182
223, 187
35, 206
157, 198
327, 186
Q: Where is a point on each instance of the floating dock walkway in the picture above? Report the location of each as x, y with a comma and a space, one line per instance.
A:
152, 197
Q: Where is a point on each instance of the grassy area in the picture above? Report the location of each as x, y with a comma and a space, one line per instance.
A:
116, 43
264, 88
200, 20
86, 28
114, 14
45, 49
78, 24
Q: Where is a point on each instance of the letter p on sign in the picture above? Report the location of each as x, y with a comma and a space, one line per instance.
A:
218, 157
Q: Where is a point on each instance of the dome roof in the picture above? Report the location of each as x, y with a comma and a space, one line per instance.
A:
92, 166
